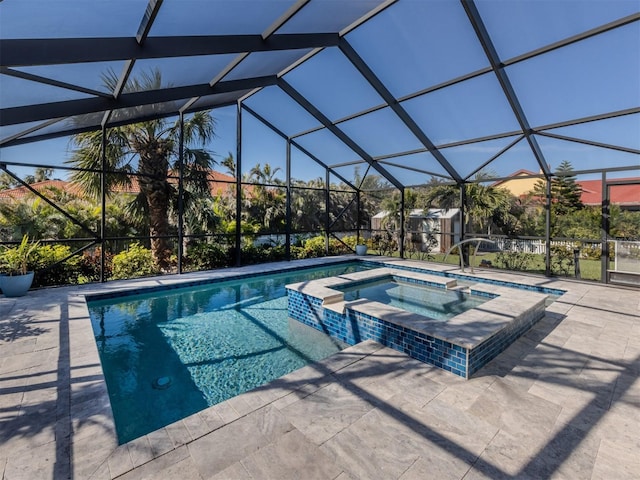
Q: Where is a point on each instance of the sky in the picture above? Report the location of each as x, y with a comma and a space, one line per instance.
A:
411, 46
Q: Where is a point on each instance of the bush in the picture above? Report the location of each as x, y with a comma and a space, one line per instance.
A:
137, 261
517, 261
48, 272
297, 252
252, 254
385, 243
515, 258
90, 266
592, 251
562, 259
314, 247
207, 256
351, 241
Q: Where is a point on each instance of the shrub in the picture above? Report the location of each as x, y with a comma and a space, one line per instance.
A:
336, 247
207, 256
591, 251
351, 241
276, 253
514, 260
252, 254
314, 247
562, 259
49, 272
137, 261
515, 257
90, 266
385, 243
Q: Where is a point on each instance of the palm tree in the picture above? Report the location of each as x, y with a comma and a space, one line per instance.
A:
266, 175
229, 163
150, 150
266, 203
392, 206
308, 205
484, 204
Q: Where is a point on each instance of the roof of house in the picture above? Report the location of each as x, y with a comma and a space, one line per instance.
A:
625, 195
218, 183
518, 173
22, 191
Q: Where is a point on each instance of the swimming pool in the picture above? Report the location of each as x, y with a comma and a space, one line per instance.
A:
171, 353
432, 302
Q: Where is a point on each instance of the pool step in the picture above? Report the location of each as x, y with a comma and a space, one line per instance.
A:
460, 288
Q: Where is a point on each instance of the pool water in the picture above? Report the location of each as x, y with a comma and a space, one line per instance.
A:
432, 302
170, 354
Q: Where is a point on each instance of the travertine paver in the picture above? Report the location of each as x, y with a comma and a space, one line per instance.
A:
561, 402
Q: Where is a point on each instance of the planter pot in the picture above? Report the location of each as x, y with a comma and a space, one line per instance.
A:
16, 285
361, 249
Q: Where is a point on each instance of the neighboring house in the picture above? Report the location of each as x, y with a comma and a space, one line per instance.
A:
626, 196
519, 183
442, 226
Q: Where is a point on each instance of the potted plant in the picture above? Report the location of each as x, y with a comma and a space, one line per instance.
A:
14, 262
361, 248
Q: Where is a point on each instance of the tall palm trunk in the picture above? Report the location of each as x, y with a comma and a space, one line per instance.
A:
154, 169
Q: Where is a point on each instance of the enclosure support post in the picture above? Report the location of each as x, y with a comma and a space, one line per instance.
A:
238, 235
287, 246
604, 233
103, 203
463, 223
327, 215
547, 227
402, 232
358, 219
181, 194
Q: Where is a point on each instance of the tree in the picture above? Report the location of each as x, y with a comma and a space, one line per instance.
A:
229, 163
265, 175
40, 174
565, 195
266, 204
149, 149
484, 205
7, 181
392, 207
308, 206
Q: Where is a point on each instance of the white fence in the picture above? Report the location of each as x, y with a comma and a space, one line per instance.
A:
534, 246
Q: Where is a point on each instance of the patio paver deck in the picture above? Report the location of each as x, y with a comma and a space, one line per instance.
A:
562, 402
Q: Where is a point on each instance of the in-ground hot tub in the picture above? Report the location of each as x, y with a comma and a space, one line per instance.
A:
431, 301
461, 344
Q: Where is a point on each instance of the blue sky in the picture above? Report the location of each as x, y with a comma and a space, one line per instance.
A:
411, 46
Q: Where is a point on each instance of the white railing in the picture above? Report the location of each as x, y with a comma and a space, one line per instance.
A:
627, 254
475, 250
537, 246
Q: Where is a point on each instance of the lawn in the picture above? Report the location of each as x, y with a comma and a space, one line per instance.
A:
589, 269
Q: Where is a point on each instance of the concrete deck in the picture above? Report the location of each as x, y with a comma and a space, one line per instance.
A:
562, 402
